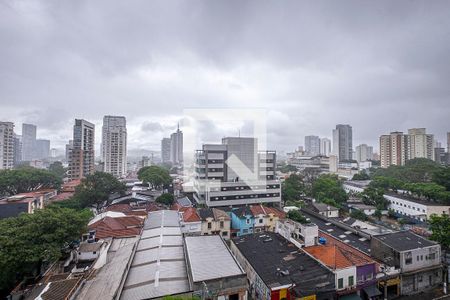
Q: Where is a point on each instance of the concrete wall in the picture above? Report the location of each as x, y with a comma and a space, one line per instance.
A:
345, 274
415, 283
421, 258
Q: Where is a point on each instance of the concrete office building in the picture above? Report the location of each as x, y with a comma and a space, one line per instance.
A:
325, 147
69, 148
6, 145
82, 156
312, 145
176, 147
42, 149
363, 153
165, 150
114, 145
235, 173
343, 142
28, 141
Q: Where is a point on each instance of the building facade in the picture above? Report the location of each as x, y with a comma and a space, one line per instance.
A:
393, 150
82, 156
312, 145
42, 149
165, 150
364, 153
17, 149
176, 147
6, 145
28, 141
420, 144
114, 145
325, 147
235, 173
343, 142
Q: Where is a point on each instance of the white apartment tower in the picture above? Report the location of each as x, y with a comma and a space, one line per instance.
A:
114, 145
420, 144
364, 153
325, 147
6, 145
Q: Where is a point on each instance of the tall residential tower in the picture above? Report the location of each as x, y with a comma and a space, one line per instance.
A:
28, 142
114, 145
343, 142
82, 156
6, 145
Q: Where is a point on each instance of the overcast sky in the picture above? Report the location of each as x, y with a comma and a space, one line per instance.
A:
376, 65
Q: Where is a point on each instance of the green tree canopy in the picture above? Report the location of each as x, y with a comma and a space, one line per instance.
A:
442, 177
57, 169
440, 227
414, 170
297, 216
26, 179
328, 186
286, 168
362, 175
357, 214
30, 239
293, 188
95, 189
157, 177
166, 199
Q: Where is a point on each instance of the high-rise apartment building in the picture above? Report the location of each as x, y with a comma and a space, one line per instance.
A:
69, 148
420, 144
176, 147
165, 150
28, 142
42, 149
235, 173
448, 142
114, 145
325, 147
82, 156
17, 149
343, 142
312, 145
393, 149
363, 153
6, 145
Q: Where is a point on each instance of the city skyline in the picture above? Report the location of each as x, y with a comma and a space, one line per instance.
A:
374, 70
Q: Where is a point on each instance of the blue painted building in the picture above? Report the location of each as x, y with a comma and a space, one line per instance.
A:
242, 221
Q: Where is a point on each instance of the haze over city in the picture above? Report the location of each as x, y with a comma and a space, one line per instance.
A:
311, 65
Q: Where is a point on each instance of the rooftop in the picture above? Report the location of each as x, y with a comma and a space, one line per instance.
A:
158, 267
117, 227
90, 247
278, 262
217, 264
404, 241
190, 215
321, 207
184, 202
411, 199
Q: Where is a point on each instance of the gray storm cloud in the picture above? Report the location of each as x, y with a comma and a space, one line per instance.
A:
379, 66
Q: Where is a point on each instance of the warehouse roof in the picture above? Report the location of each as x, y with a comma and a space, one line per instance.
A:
404, 240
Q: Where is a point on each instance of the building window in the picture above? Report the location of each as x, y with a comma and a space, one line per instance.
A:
351, 281
221, 224
225, 233
209, 225
260, 221
340, 283
408, 258
432, 255
420, 279
247, 221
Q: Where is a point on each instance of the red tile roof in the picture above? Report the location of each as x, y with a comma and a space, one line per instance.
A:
117, 227
190, 215
257, 210
276, 212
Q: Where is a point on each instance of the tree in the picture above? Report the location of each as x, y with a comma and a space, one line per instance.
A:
166, 199
286, 168
442, 177
414, 170
378, 214
357, 214
297, 216
29, 240
362, 175
440, 227
293, 188
26, 179
156, 176
328, 186
57, 169
374, 196
95, 189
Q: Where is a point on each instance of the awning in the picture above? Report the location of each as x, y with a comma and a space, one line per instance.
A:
372, 291
350, 297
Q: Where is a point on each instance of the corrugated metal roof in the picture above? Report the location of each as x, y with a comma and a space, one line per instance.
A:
209, 258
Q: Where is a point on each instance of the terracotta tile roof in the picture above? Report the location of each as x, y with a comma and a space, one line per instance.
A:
257, 210
117, 227
62, 196
337, 256
276, 212
218, 213
127, 209
190, 215
60, 290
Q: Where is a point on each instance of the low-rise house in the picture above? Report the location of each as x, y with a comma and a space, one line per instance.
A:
325, 210
277, 269
265, 218
190, 221
117, 227
368, 210
90, 251
242, 221
299, 234
417, 259
25, 202
212, 267
215, 221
